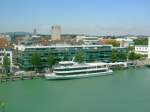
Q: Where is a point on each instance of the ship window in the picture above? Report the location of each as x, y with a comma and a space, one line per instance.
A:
81, 68
83, 72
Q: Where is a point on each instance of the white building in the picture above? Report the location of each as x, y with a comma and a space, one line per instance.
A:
125, 42
141, 49
87, 40
131, 37
56, 33
8, 52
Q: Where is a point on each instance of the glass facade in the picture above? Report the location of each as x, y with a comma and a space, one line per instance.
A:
65, 53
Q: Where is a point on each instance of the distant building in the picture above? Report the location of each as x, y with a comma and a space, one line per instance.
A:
5, 50
56, 33
2, 35
3, 43
125, 42
35, 35
103, 40
8, 52
141, 49
8, 37
34, 32
131, 37
88, 40
14, 35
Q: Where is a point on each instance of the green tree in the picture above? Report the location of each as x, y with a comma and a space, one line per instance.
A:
138, 56
51, 60
6, 63
131, 48
122, 56
113, 56
35, 61
132, 56
91, 58
141, 41
79, 56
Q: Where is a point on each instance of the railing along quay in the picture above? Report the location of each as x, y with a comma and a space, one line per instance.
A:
19, 77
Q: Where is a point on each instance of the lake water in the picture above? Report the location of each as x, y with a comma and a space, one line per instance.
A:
124, 91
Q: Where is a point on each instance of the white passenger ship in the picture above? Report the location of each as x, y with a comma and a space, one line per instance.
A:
72, 70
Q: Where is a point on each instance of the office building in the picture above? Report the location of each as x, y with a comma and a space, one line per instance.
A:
64, 53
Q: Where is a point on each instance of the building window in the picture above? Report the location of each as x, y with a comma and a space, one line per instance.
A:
8, 54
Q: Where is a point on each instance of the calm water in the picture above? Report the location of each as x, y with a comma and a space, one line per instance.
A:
124, 91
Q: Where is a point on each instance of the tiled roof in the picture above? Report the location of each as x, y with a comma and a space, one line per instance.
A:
3, 43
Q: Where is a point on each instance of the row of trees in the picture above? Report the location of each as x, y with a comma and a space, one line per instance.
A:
121, 56
141, 41
79, 57
36, 61
115, 56
125, 56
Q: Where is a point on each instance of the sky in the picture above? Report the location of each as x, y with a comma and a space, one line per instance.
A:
93, 17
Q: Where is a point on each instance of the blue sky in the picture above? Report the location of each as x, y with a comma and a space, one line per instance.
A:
103, 17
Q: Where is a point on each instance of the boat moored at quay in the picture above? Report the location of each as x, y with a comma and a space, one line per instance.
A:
73, 70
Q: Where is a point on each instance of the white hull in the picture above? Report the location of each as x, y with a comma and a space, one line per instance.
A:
52, 76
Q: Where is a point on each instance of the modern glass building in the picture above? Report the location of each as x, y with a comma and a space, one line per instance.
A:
63, 53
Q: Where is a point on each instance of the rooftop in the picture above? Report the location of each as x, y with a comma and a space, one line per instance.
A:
22, 47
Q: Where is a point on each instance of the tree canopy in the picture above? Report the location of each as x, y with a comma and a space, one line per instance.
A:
133, 56
91, 58
113, 56
35, 60
113, 42
51, 60
79, 56
141, 41
6, 63
122, 56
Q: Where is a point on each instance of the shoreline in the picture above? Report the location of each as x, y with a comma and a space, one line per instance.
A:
19, 77
136, 64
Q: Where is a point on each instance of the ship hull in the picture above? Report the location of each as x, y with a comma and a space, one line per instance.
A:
52, 76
